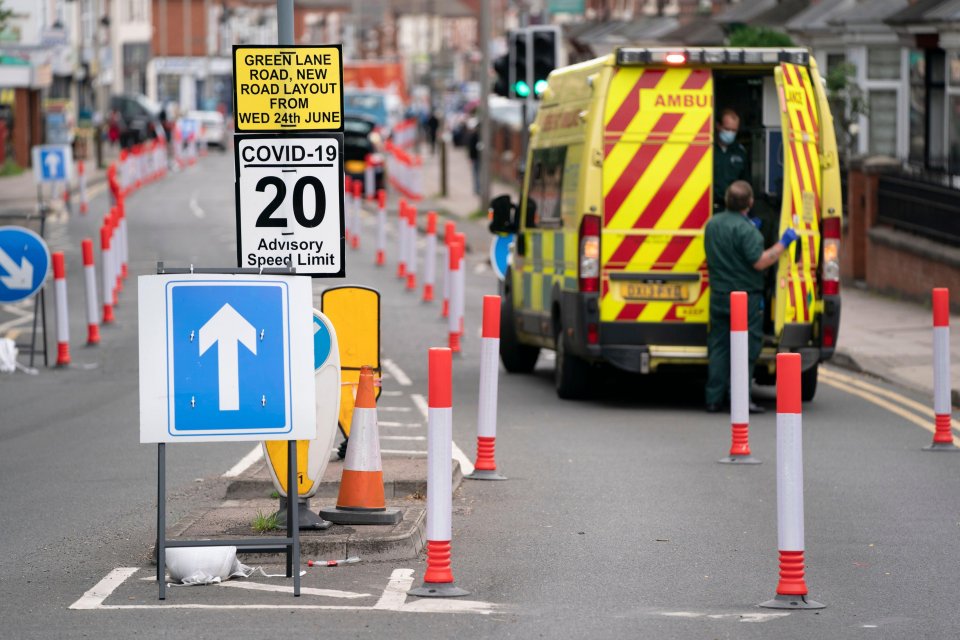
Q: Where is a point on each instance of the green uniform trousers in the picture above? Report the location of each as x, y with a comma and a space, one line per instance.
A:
718, 343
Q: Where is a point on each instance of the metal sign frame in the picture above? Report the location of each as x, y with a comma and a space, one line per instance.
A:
40, 298
289, 544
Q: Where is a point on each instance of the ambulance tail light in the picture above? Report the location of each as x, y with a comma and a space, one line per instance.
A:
831, 256
589, 236
675, 58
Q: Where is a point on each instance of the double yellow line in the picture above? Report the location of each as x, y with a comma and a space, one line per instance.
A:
910, 410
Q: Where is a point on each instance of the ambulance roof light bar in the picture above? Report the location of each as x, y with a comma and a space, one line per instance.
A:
627, 56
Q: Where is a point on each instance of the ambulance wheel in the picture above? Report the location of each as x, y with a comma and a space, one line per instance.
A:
572, 374
808, 383
516, 357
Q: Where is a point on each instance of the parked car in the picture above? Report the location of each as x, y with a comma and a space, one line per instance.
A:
386, 109
138, 118
213, 128
361, 141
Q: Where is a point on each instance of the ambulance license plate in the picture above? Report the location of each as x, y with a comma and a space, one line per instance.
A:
654, 291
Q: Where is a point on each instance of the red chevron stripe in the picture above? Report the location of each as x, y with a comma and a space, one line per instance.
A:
624, 251
672, 183
807, 100
671, 253
697, 80
700, 212
631, 311
641, 160
631, 104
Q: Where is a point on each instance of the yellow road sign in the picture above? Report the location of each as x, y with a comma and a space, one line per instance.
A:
355, 314
288, 88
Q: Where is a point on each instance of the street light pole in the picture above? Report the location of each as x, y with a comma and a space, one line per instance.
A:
285, 22
486, 155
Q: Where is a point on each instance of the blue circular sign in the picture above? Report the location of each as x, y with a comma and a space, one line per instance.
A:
24, 263
321, 343
500, 253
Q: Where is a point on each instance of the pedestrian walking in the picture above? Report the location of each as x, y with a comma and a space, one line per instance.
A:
736, 261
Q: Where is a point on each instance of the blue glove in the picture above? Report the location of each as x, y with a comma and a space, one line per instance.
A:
788, 237
757, 222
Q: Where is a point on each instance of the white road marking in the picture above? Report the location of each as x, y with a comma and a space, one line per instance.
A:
409, 425
401, 452
93, 599
196, 208
481, 267
396, 592
245, 463
742, 617
23, 314
394, 409
403, 438
402, 378
278, 588
465, 465
391, 394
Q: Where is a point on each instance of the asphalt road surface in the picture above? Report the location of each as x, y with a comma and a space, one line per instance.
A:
616, 521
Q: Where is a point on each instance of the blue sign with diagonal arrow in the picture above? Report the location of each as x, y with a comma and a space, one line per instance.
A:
24, 263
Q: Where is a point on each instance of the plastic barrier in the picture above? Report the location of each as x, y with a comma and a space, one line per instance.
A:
411, 248
792, 588
453, 320
404, 171
485, 467
405, 134
381, 228
942, 406
438, 577
402, 239
430, 257
354, 219
106, 253
63, 310
459, 291
449, 229
90, 288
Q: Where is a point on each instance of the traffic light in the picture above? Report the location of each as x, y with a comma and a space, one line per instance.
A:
518, 56
545, 54
501, 66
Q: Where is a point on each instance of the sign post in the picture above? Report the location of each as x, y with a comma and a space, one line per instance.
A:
221, 361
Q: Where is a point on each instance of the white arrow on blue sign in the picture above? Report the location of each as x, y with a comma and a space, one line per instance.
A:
24, 263
52, 163
225, 358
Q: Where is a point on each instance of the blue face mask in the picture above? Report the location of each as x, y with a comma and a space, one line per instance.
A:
727, 137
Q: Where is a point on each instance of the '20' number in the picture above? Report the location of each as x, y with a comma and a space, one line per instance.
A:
266, 219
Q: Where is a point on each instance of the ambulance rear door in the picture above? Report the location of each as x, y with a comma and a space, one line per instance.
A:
657, 181
796, 285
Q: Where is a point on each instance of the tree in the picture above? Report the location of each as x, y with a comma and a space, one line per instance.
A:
759, 37
847, 105
5, 15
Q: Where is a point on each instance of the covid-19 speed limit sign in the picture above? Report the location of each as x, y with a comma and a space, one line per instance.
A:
290, 202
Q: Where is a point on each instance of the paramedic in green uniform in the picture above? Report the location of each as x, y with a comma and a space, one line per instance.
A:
735, 262
729, 156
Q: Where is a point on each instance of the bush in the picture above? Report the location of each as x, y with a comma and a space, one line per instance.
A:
759, 37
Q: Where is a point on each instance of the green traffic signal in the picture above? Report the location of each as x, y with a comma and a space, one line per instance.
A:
521, 89
539, 87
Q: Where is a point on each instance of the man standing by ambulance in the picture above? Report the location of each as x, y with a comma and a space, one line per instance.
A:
736, 261
729, 157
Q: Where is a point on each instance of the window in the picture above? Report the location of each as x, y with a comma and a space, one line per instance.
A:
546, 187
918, 104
954, 133
883, 63
882, 107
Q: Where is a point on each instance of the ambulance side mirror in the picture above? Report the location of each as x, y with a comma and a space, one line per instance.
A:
503, 215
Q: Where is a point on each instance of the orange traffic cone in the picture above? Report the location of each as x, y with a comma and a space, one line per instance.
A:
361, 499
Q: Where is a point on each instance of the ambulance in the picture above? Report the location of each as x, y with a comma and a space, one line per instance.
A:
608, 264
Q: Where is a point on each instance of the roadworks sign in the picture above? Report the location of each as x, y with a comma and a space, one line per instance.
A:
288, 88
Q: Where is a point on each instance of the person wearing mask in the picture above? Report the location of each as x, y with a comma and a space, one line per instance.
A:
729, 157
736, 261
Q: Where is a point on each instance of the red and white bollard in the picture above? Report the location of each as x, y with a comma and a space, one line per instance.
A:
792, 588
355, 215
449, 228
460, 288
485, 467
402, 239
122, 230
381, 228
369, 178
942, 405
438, 577
739, 382
66, 195
82, 185
90, 288
411, 248
106, 258
430, 258
63, 319
453, 319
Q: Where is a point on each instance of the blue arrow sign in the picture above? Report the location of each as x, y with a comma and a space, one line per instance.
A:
24, 263
51, 162
228, 351
500, 254
321, 343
